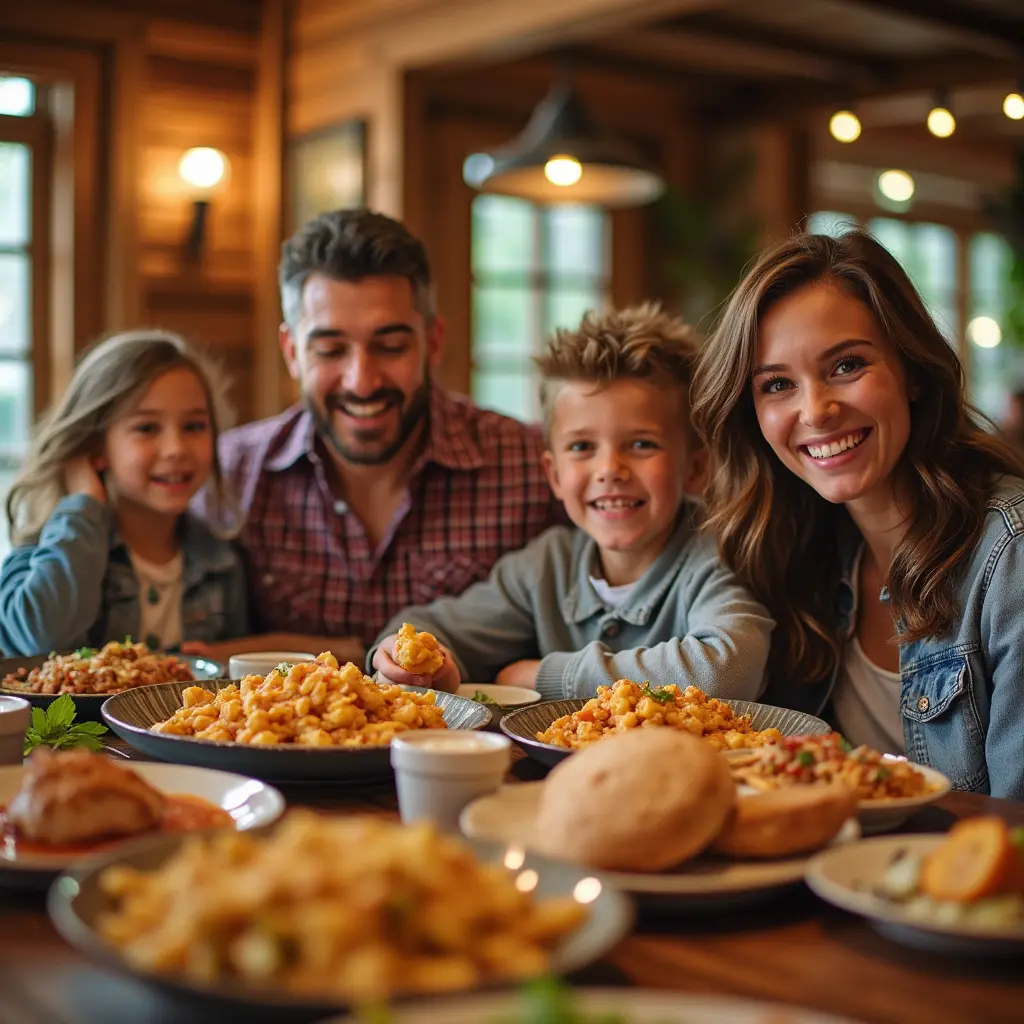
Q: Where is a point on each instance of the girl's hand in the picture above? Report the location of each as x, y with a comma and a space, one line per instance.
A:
446, 678
82, 477
520, 673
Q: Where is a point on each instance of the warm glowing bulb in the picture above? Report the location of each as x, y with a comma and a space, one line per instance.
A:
941, 122
203, 167
1013, 106
844, 126
896, 185
984, 332
563, 171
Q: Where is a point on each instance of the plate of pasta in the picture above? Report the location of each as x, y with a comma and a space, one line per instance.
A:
308, 720
889, 788
326, 911
92, 674
552, 730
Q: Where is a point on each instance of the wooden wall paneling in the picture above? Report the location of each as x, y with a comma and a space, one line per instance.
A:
128, 85
268, 394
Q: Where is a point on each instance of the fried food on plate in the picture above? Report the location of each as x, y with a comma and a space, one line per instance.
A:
72, 796
646, 800
348, 907
418, 652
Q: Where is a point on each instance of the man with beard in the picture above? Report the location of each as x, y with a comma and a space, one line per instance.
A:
380, 490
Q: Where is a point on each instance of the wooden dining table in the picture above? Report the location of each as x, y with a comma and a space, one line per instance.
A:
792, 949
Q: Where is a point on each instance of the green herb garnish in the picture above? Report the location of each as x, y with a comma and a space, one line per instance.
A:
482, 698
663, 695
84, 652
806, 758
284, 667
1017, 837
53, 728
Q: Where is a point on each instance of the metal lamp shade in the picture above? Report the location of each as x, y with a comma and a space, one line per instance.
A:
613, 172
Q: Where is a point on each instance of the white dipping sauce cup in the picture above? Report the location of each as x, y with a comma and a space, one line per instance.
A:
15, 718
439, 771
262, 663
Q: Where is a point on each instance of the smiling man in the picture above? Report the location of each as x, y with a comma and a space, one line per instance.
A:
381, 489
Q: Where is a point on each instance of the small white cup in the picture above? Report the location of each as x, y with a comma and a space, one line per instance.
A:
15, 718
261, 663
439, 771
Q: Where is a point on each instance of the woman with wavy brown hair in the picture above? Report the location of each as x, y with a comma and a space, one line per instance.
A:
860, 497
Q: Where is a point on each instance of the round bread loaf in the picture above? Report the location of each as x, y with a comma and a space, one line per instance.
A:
644, 800
786, 822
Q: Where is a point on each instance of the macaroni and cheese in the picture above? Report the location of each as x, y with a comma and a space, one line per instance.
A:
349, 908
628, 705
313, 703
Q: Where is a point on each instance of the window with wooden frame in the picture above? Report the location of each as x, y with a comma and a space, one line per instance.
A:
534, 268
963, 278
24, 206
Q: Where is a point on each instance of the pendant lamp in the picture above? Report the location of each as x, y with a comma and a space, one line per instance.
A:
564, 156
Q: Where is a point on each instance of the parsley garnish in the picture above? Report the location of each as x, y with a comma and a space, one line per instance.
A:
481, 698
284, 667
53, 728
663, 695
84, 652
806, 758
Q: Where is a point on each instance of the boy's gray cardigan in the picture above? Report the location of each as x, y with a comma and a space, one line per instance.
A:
689, 620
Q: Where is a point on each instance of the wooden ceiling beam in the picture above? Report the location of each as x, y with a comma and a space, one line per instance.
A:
976, 29
704, 51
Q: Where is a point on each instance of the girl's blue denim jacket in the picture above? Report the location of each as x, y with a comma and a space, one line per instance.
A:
963, 694
76, 585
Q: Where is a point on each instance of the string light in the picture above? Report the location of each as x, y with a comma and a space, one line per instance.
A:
896, 186
844, 126
941, 122
1013, 106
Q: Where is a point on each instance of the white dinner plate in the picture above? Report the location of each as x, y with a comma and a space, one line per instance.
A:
851, 877
252, 804
885, 815
631, 1006
506, 696
508, 816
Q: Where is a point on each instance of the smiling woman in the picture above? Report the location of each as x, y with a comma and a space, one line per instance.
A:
858, 496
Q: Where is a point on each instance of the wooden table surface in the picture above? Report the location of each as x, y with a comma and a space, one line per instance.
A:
793, 949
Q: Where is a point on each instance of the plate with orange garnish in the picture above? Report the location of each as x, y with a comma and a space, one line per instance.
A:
961, 892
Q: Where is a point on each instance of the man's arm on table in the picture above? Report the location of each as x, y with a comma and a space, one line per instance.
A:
344, 648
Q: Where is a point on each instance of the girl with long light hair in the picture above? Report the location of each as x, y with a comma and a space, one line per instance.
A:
105, 544
860, 497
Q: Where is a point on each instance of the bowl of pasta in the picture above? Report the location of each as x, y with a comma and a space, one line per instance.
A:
889, 788
327, 911
308, 720
552, 730
89, 675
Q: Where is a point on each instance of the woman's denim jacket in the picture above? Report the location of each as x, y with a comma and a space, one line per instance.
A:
963, 694
76, 585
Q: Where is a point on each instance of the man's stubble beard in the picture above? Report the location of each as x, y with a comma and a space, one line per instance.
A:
415, 413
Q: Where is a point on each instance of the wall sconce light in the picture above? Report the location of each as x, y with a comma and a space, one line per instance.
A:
203, 169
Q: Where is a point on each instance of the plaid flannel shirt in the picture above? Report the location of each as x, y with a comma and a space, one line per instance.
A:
476, 491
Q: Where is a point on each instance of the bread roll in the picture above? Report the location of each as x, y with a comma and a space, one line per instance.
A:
786, 822
644, 800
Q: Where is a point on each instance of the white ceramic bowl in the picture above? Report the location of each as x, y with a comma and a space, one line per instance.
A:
15, 718
260, 663
506, 698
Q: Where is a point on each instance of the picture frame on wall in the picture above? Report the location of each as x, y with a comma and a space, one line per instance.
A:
327, 171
